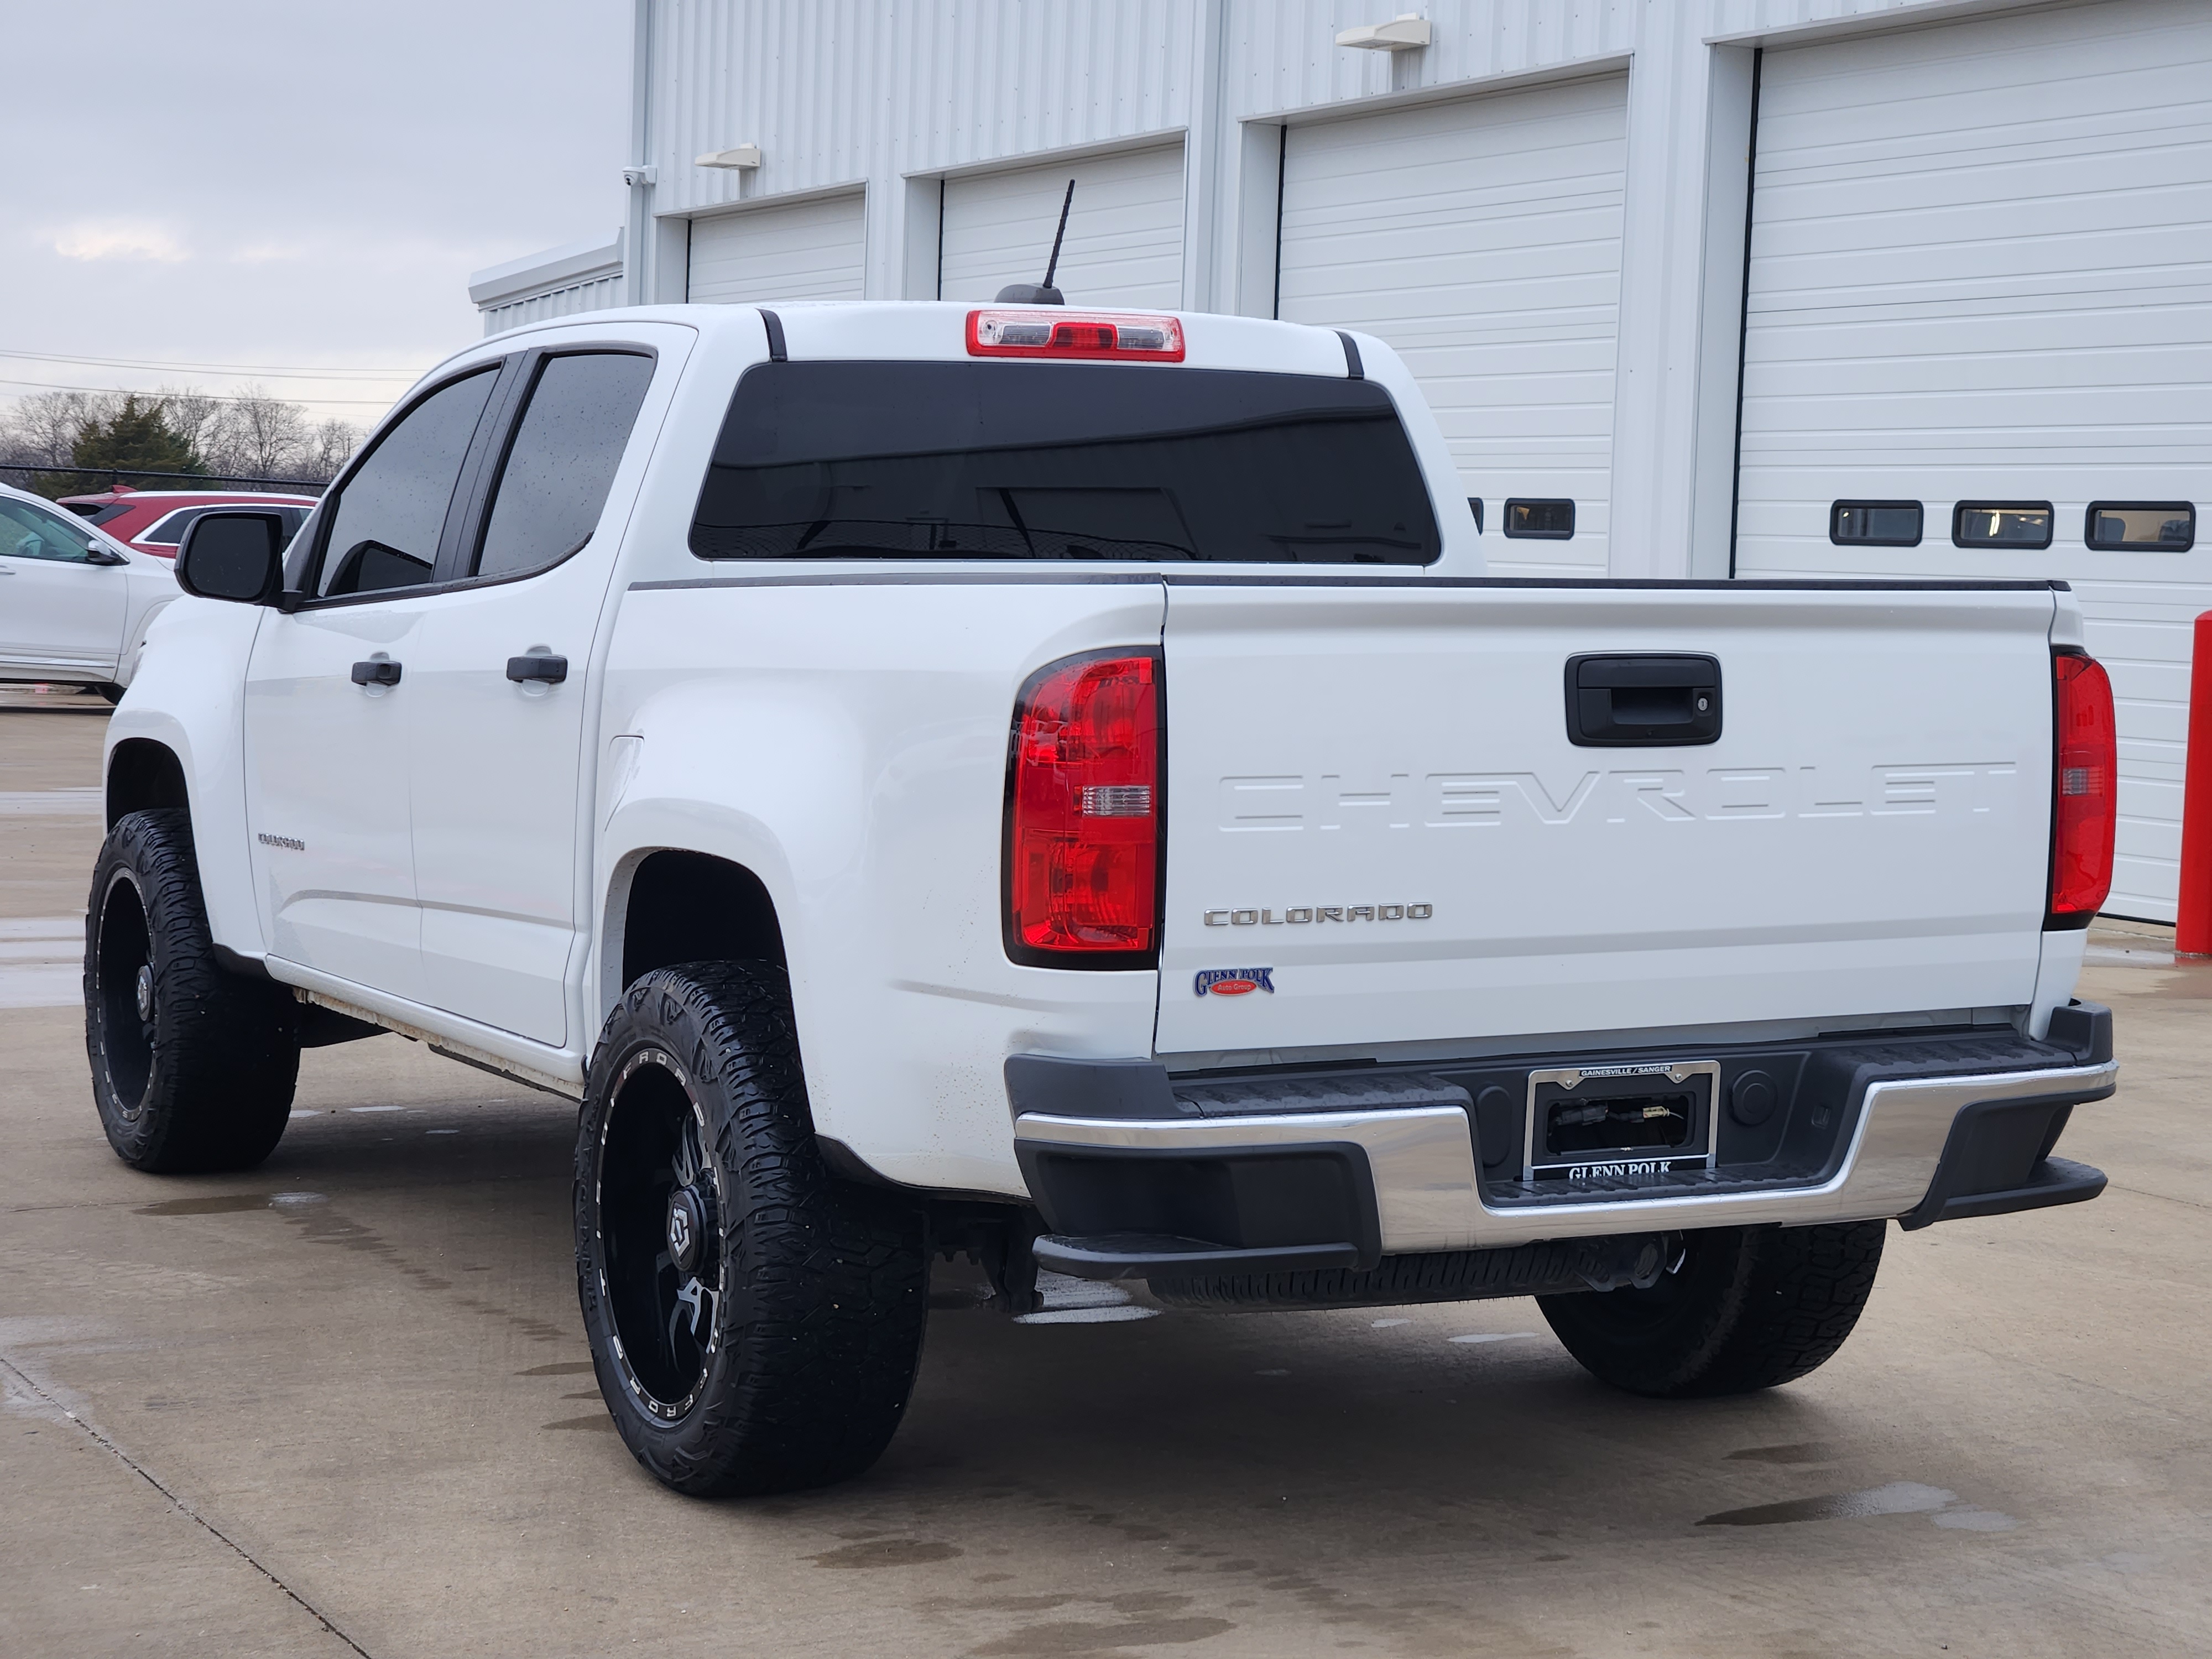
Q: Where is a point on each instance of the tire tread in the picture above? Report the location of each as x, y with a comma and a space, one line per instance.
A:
225, 1050
1767, 1305
827, 1281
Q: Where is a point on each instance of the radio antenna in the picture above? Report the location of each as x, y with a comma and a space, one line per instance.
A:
1043, 294
1051, 265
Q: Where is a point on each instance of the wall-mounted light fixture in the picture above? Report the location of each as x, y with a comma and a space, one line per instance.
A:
744, 158
1407, 32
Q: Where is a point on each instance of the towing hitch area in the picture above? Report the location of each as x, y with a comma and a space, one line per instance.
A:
1554, 1268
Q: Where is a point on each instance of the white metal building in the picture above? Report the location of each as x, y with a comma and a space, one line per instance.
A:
584, 276
1763, 288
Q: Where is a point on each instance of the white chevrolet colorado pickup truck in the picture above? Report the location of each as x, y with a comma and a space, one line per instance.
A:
1058, 786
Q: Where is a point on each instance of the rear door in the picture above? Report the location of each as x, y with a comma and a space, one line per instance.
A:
1373, 795
502, 677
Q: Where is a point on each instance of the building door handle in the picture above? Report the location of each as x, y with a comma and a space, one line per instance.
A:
376, 671
551, 670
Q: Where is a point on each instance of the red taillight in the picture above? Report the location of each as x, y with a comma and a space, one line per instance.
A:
2085, 813
1063, 334
1083, 813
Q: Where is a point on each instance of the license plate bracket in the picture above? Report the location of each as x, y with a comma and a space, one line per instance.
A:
1605, 1123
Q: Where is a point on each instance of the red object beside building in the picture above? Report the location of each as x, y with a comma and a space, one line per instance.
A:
2192, 933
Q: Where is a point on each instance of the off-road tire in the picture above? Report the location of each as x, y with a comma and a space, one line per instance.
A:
205, 1083
816, 1332
1749, 1308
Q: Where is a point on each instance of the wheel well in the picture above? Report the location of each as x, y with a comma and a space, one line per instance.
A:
143, 774
688, 907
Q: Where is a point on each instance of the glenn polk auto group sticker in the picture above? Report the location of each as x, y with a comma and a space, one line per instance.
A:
1234, 982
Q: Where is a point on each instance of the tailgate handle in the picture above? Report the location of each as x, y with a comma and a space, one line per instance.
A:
1642, 702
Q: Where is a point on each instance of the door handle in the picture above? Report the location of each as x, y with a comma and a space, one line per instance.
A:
376, 671
551, 670
1643, 702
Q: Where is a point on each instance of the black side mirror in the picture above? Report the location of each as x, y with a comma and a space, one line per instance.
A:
233, 555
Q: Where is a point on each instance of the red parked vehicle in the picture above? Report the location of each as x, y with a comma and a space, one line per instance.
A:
154, 521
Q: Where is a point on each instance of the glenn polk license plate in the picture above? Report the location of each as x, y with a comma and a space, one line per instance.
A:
1608, 1122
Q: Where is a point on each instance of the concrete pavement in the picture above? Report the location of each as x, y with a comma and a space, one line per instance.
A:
342, 1404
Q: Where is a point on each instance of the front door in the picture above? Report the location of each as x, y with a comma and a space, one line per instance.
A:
328, 695
503, 669
62, 610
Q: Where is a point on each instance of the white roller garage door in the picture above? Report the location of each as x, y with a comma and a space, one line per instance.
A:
811, 250
1981, 271
1124, 244
1482, 239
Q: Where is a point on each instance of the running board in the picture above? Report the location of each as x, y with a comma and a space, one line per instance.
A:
544, 1081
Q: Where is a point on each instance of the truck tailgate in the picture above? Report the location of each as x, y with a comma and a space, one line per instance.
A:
1372, 795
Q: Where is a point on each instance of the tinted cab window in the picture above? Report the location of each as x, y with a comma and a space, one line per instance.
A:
553, 482
386, 524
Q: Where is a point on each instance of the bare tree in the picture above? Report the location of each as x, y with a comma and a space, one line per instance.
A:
334, 444
193, 415
42, 428
261, 436
248, 434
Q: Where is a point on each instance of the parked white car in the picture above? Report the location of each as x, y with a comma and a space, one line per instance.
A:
75, 603
1059, 788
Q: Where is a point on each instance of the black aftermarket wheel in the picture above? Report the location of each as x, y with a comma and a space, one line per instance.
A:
659, 1241
192, 1067
755, 1323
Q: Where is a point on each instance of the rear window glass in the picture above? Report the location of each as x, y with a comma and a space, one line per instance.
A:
1029, 461
171, 530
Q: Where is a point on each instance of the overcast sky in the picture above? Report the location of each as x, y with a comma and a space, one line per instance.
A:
304, 185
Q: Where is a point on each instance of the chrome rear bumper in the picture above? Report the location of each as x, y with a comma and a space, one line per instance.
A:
1429, 1193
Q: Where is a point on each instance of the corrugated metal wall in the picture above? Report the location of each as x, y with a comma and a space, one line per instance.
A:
1282, 55
835, 91
839, 92
595, 294
1718, 18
